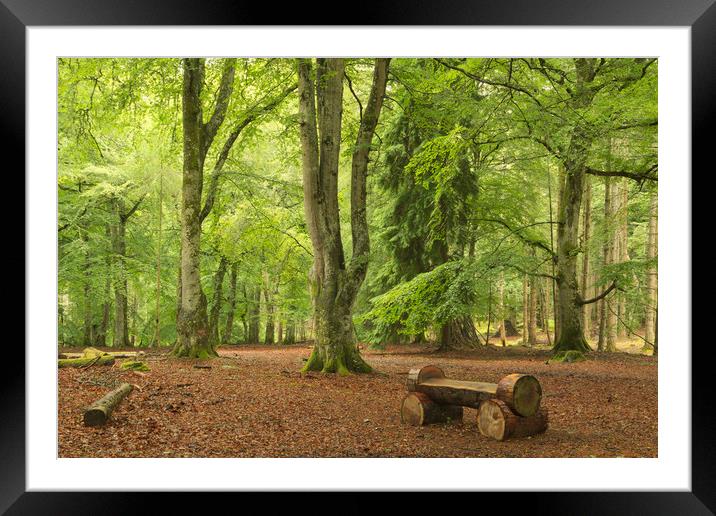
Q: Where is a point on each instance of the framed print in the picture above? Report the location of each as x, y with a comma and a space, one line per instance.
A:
427, 237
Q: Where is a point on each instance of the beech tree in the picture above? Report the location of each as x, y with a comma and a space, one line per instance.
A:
335, 282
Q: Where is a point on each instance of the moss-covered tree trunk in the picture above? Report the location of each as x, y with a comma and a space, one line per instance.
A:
335, 283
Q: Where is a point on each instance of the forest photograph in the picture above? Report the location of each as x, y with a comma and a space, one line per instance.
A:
357, 257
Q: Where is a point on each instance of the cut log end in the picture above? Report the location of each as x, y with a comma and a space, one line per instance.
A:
521, 392
420, 374
496, 420
418, 409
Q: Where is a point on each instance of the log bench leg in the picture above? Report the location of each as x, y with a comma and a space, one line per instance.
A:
418, 409
496, 420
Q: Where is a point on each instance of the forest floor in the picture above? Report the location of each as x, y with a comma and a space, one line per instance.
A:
253, 402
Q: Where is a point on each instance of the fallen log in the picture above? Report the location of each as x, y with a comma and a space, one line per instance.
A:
522, 393
93, 352
418, 409
98, 413
496, 420
85, 362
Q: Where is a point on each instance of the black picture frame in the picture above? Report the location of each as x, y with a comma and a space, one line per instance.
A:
700, 15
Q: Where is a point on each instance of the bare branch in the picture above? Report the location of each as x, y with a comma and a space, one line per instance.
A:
636, 176
600, 296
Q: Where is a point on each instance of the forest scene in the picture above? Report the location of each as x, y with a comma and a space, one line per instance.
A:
357, 257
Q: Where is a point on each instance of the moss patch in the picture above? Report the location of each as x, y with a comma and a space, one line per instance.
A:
568, 356
134, 365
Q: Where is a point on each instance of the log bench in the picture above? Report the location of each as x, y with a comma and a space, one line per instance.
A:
511, 406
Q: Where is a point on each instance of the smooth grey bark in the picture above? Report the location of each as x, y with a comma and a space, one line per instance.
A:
335, 283
193, 338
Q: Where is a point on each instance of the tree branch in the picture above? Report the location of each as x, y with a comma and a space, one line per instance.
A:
125, 216
252, 114
528, 241
482, 80
600, 296
210, 128
636, 176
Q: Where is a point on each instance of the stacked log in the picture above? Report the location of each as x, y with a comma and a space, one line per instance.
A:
511, 406
496, 420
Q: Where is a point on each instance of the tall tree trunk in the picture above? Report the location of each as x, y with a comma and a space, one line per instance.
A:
217, 298
607, 325
489, 313
290, 332
586, 265
532, 313
87, 292
501, 307
157, 313
193, 336
100, 337
279, 330
570, 335
544, 301
231, 301
651, 276
268, 300
525, 309
119, 249
335, 284
623, 251
135, 332
254, 315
